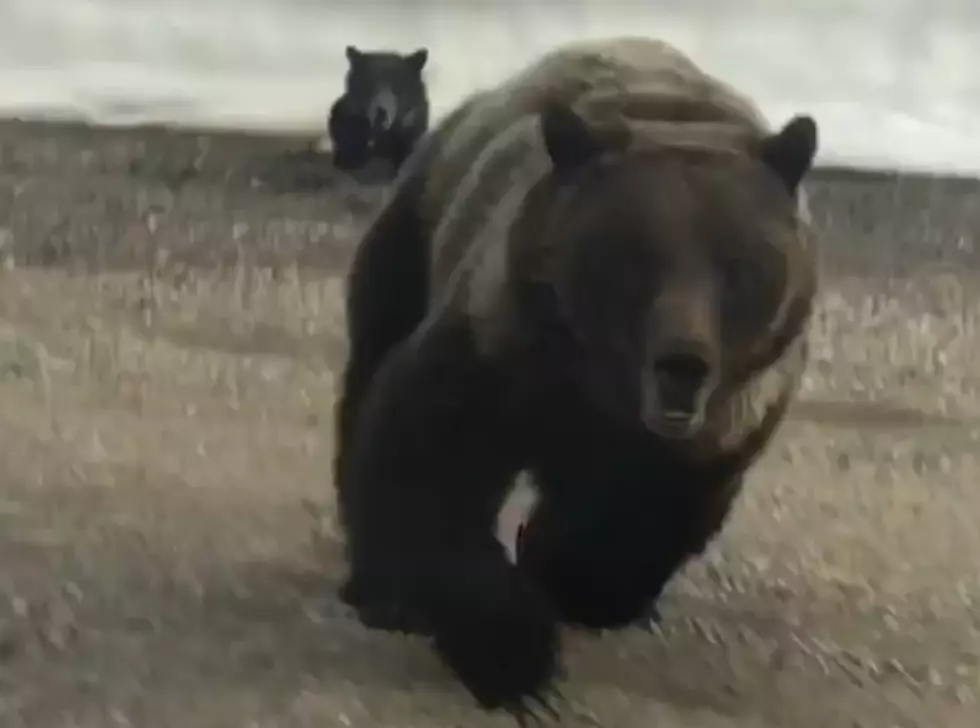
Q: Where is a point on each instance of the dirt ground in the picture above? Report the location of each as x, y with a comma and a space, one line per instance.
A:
170, 330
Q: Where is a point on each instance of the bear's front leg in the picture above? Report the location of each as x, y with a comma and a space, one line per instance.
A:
592, 568
604, 561
433, 458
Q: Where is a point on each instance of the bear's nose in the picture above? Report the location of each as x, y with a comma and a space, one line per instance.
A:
686, 369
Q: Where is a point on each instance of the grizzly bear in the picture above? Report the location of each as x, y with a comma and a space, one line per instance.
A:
597, 273
383, 111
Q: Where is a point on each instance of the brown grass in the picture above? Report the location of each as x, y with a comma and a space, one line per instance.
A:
168, 400
219, 377
168, 551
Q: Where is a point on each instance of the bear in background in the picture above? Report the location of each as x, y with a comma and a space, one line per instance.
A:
597, 273
383, 111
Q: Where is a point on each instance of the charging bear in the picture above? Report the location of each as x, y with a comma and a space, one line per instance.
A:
383, 111
600, 273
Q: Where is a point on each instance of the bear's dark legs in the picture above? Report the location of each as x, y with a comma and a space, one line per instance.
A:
396, 145
402, 146
392, 256
596, 574
435, 456
350, 136
386, 300
606, 568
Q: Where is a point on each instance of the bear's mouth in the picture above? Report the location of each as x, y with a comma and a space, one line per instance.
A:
675, 393
673, 410
675, 423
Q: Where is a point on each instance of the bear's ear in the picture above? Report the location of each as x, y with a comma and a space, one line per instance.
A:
568, 139
790, 151
353, 54
418, 59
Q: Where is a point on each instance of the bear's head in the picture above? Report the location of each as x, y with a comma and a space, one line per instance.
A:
384, 88
684, 270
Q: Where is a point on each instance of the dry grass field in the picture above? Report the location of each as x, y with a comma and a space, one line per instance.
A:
170, 334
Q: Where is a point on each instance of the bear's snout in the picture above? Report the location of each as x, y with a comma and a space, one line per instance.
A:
677, 389
383, 110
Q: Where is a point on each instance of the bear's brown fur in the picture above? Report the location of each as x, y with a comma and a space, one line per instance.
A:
596, 272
